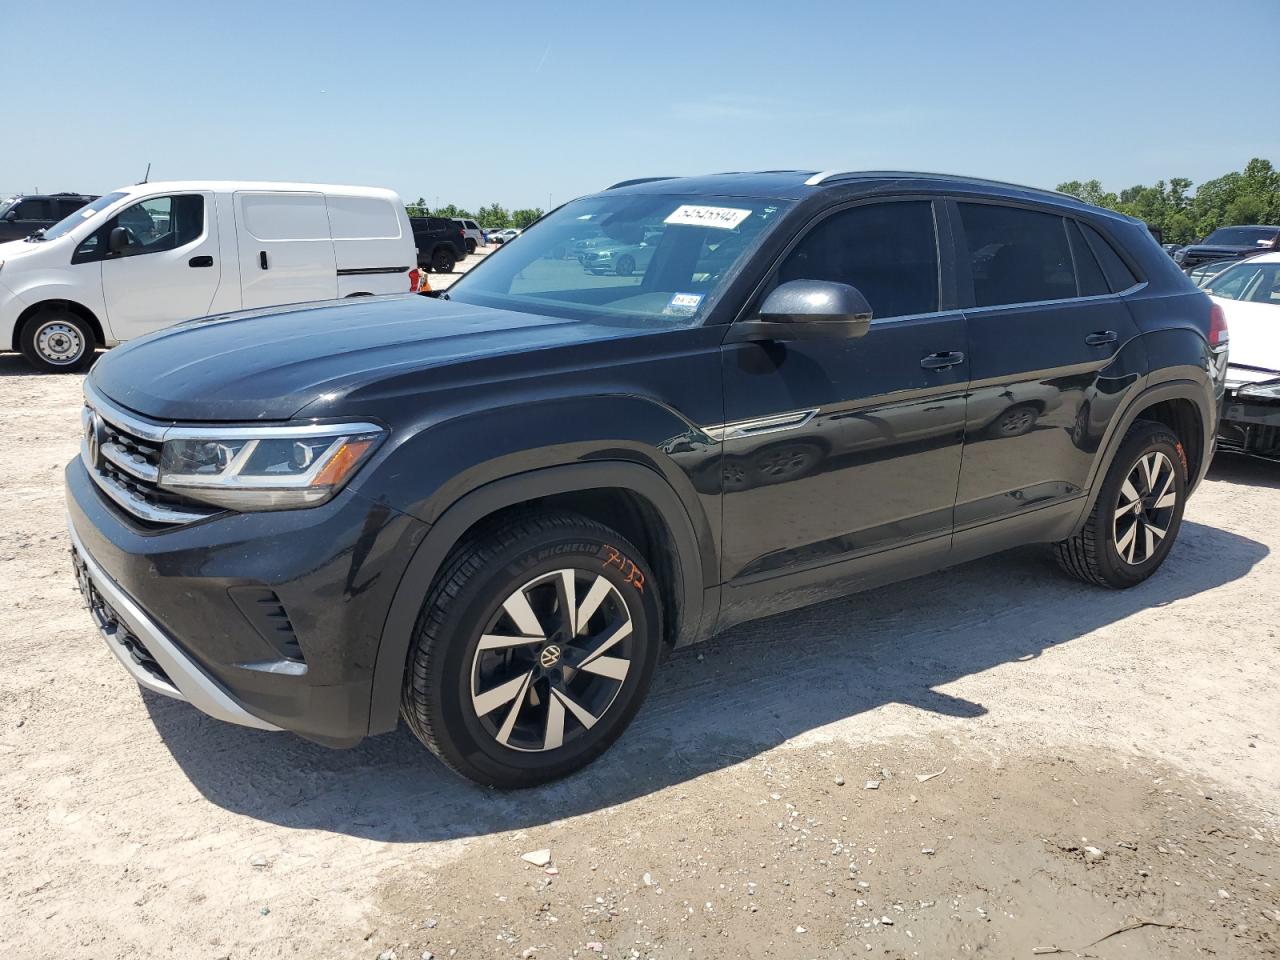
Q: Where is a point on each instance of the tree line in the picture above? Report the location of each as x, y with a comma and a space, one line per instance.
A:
493, 216
1184, 216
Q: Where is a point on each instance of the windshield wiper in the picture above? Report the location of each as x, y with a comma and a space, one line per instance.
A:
38, 235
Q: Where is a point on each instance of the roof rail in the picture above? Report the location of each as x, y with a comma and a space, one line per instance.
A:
632, 183
826, 176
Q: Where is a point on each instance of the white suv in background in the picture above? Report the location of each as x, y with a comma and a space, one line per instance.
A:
472, 232
146, 256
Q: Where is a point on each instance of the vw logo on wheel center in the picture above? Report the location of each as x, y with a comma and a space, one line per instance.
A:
549, 657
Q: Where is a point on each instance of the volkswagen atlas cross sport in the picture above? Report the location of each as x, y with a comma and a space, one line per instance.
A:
490, 513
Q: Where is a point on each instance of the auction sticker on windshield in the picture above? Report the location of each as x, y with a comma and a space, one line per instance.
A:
722, 218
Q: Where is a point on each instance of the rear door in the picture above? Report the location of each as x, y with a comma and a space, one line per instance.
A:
285, 248
169, 272
373, 244
1048, 357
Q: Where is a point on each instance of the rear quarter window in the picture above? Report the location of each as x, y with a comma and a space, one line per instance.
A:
363, 218
1118, 273
285, 216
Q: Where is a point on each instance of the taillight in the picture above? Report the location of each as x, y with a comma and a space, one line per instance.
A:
415, 278
1217, 326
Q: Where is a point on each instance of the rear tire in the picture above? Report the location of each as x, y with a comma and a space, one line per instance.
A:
471, 246
1137, 514
502, 684
442, 261
55, 340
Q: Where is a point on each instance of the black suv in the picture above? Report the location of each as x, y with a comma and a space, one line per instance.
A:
441, 242
1228, 243
22, 216
490, 513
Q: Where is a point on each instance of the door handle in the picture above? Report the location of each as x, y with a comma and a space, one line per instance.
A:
1101, 338
940, 361
200, 262
262, 259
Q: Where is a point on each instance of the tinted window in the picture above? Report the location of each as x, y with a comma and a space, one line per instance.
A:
1118, 273
888, 251
81, 215
1016, 255
1242, 236
35, 210
1089, 278
66, 208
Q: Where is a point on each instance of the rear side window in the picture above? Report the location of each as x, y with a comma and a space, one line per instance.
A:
285, 216
1089, 276
889, 251
36, 210
1118, 273
1017, 255
363, 218
66, 208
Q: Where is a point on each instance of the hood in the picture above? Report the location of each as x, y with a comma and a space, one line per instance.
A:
269, 364
1254, 331
1221, 249
11, 250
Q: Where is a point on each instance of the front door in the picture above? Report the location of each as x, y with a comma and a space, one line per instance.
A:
838, 449
1054, 354
170, 270
286, 248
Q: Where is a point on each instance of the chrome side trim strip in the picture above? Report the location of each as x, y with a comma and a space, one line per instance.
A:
190, 683
760, 425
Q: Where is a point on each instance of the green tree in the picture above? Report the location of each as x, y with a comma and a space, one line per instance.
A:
418, 208
493, 217
522, 218
453, 211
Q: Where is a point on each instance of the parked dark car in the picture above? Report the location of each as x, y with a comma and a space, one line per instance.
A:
1228, 243
441, 242
489, 514
20, 217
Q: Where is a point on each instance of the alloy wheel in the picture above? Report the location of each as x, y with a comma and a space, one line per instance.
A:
552, 660
59, 343
1144, 508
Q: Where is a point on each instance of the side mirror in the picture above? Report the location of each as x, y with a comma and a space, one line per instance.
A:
11, 215
808, 310
118, 242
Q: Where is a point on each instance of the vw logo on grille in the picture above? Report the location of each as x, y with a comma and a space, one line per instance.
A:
91, 437
549, 657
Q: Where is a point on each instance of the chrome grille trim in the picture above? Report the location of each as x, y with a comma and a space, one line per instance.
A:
136, 504
119, 455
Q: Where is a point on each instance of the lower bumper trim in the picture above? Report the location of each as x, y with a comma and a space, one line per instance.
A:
177, 675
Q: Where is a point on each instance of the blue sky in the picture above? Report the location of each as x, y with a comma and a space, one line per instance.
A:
477, 100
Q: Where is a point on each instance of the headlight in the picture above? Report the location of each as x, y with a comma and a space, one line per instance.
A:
265, 468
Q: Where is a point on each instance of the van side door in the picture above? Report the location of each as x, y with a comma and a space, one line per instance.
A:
285, 248
168, 272
1054, 353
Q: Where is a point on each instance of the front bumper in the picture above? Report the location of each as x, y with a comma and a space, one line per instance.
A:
1251, 420
170, 602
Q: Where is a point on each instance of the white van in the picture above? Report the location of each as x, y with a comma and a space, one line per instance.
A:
146, 256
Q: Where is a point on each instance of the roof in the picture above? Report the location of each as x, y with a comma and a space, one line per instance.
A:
228, 186
798, 184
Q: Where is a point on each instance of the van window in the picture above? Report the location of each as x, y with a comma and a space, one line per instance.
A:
1016, 255
889, 251
285, 216
362, 218
161, 223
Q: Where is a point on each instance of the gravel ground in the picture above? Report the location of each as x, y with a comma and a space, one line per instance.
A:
1108, 777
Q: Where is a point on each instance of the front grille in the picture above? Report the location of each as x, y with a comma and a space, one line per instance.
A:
121, 451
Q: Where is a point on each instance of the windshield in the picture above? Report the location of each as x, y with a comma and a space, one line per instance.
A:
1254, 282
1243, 236
6, 204
654, 261
66, 224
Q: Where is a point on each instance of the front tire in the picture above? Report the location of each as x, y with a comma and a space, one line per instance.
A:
442, 261
55, 340
1137, 514
534, 649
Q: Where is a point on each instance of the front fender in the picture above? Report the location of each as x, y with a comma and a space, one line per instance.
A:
694, 590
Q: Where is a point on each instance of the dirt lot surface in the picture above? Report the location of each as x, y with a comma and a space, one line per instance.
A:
1055, 768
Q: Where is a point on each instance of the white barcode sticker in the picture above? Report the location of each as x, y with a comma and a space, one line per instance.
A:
722, 218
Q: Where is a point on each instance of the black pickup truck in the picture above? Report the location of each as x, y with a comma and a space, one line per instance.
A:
22, 216
441, 243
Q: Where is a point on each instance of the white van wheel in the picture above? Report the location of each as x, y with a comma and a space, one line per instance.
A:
55, 340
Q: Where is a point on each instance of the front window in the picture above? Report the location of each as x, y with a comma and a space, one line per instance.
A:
1242, 236
640, 258
162, 223
1253, 282
73, 220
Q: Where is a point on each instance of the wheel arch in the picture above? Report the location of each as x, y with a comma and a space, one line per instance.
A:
79, 309
1181, 405
636, 501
